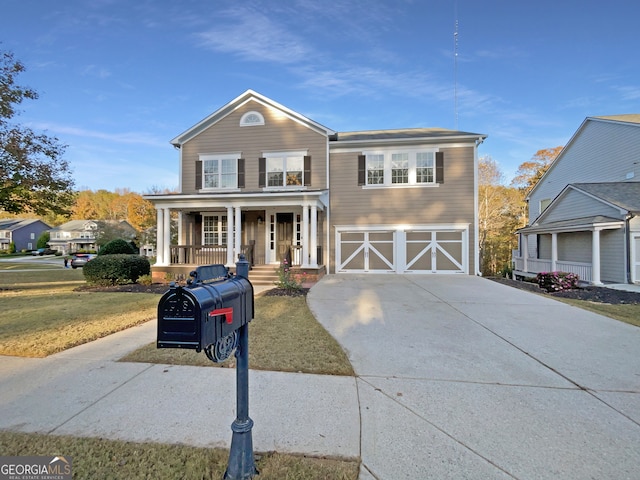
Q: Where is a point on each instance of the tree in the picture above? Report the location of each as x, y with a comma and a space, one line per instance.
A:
34, 178
530, 172
43, 240
500, 213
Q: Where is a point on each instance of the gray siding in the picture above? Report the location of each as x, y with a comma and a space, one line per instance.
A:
612, 256
600, 152
279, 133
578, 205
574, 247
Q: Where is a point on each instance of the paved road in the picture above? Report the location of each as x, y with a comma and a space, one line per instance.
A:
461, 377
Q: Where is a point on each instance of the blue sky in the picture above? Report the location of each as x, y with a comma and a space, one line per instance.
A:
118, 78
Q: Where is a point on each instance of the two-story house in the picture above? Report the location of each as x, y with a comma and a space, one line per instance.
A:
261, 179
81, 235
584, 211
23, 233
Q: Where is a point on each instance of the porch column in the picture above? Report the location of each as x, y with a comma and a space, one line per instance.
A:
525, 252
159, 237
230, 231
238, 234
554, 251
166, 243
180, 237
595, 258
305, 236
313, 238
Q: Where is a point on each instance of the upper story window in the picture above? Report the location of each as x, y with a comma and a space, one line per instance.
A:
401, 168
251, 119
285, 170
219, 171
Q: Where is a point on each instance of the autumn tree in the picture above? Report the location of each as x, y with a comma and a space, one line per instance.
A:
118, 205
34, 178
500, 213
530, 172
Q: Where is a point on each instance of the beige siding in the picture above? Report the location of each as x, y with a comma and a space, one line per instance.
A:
279, 133
448, 203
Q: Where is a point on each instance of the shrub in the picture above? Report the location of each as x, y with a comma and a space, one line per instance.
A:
117, 246
145, 280
117, 269
557, 281
12, 247
286, 280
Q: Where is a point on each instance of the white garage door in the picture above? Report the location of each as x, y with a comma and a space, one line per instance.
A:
431, 249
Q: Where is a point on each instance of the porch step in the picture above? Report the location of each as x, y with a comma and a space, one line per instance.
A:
263, 275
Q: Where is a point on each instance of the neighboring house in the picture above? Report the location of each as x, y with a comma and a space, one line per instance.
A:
261, 179
81, 235
23, 233
584, 211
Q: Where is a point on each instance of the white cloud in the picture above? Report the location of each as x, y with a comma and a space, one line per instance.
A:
133, 138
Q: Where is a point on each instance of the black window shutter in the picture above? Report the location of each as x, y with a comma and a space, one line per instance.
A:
307, 170
198, 174
439, 167
241, 173
362, 171
262, 172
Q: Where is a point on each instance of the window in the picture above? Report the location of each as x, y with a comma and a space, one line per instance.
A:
375, 169
251, 119
285, 170
214, 229
401, 168
217, 172
424, 167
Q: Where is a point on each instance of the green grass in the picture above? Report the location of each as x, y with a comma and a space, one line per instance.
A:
94, 458
625, 313
42, 314
284, 336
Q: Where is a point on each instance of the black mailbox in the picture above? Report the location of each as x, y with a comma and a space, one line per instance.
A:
201, 315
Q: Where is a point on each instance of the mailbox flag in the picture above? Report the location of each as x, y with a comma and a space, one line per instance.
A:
227, 312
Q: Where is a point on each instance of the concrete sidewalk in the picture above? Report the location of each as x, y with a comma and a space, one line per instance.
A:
461, 377
85, 391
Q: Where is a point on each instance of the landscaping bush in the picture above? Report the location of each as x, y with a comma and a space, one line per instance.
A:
557, 281
117, 269
117, 246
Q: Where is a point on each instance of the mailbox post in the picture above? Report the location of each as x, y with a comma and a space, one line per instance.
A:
212, 314
241, 463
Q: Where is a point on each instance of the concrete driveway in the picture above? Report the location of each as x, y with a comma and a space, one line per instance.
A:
462, 377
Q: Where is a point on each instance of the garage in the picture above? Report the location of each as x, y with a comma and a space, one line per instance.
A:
427, 249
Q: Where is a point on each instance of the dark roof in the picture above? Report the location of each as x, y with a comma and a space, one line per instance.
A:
572, 224
401, 133
625, 195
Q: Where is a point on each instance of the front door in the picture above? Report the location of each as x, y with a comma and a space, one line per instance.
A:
284, 236
635, 258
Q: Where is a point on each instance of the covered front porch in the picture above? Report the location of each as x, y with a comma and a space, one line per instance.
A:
576, 246
268, 228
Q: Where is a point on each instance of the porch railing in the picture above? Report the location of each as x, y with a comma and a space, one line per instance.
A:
537, 265
206, 254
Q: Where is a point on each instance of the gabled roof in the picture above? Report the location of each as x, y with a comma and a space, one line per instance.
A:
238, 102
76, 226
624, 195
628, 119
13, 224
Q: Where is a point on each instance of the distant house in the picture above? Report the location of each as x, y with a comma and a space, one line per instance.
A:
81, 235
259, 178
23, 233
584, 212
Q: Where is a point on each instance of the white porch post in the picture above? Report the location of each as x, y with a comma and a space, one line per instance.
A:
230, 231
159, 237
238, 234
305, 236
525, 252
313, 238
180, 237
595, 258
166, 244
554, 251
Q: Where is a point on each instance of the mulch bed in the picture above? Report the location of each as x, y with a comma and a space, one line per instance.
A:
588, 293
